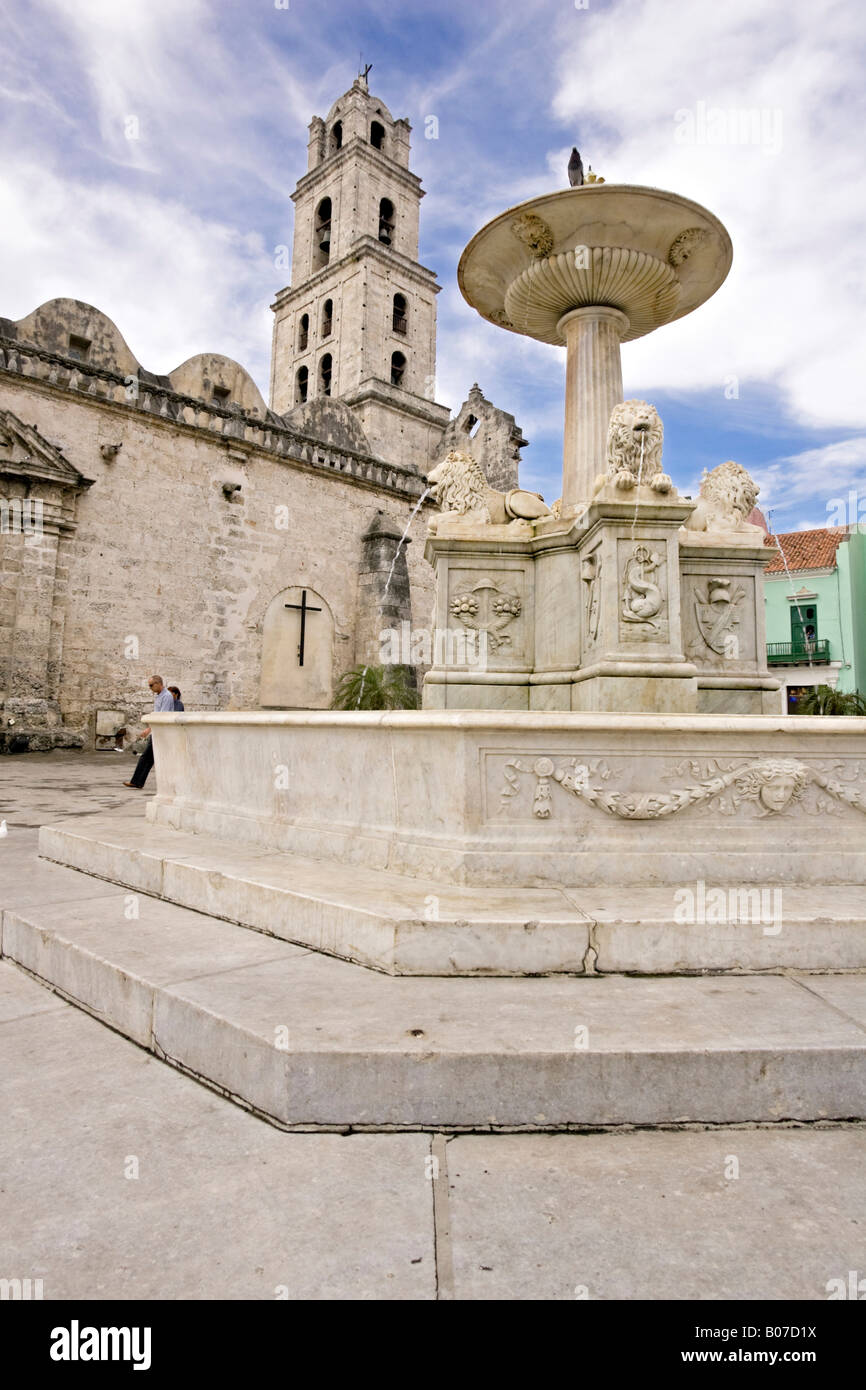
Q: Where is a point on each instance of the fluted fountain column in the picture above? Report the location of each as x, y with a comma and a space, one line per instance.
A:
593, 386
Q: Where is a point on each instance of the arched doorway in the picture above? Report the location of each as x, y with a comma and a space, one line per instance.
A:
297, 651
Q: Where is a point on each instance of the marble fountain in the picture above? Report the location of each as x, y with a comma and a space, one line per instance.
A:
623, 737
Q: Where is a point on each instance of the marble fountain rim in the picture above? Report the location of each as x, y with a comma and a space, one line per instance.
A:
518, 721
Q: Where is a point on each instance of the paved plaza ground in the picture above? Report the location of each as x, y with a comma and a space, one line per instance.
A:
123, 1178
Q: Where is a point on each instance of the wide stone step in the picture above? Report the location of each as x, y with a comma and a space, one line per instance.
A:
314, 1042
411, 926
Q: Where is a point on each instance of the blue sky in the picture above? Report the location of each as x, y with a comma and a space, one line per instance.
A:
753, 107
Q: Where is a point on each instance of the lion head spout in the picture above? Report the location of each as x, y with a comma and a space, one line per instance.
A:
634, 447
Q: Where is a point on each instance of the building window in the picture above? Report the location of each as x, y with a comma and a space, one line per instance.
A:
336, 136
221, 395
327, 318
322, 240
78, 347
303, 332
470, 425
804, 627
398, 368
399, 319
386, 221
377, 135
325, 367
301, 385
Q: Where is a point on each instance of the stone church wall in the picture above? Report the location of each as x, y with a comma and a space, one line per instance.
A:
165, 572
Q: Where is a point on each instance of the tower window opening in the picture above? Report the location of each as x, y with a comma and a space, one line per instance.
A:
399, 319
386, 221
470, 425
336, 136
302, 381
323, 232
325, 369
221, 395
327, 318
377, 135
303, 332
398, 368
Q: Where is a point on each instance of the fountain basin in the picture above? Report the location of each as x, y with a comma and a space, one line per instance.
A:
519, 800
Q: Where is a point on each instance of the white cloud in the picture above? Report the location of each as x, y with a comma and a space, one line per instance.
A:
793, 309
193, 279
834, 476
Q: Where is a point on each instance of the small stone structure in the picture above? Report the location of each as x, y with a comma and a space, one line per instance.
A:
490, 435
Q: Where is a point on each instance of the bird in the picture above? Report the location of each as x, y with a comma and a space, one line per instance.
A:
575, 169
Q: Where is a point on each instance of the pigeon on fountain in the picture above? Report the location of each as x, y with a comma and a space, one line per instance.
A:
575, 169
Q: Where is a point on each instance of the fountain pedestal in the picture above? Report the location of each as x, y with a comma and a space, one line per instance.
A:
593, 386
621, 608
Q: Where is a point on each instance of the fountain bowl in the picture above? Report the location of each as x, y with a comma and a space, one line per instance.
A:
653, 255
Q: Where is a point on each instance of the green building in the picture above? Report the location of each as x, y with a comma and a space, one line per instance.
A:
815, 597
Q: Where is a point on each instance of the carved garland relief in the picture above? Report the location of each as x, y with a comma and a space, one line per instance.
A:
769, 785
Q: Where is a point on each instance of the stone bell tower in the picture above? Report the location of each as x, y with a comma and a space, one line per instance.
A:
358, 321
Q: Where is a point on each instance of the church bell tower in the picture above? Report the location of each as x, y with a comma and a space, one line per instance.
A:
358, 321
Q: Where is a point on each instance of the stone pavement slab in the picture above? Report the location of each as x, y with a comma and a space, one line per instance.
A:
223, 1205
657, 1215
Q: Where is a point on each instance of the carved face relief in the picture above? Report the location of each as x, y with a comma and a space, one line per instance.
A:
683, 246
776, 795
535, 234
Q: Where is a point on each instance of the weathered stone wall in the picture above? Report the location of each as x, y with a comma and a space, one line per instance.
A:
164, 573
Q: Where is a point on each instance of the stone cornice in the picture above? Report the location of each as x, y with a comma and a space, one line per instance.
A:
361, 246
356, 148
373, 389
243, 431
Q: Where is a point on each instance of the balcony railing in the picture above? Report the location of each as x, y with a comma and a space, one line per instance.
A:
815, 653
401, 323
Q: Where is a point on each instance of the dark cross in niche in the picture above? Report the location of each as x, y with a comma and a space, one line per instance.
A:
303, 608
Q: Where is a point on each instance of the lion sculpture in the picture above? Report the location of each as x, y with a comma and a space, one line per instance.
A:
634, 448
727, 496
462, 491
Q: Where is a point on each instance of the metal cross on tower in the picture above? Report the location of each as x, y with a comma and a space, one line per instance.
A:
303, 608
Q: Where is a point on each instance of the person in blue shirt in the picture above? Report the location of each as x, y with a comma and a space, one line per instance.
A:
162, 700
178, 702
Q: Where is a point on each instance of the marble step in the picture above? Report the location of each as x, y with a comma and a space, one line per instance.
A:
312, 1042
411, 926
